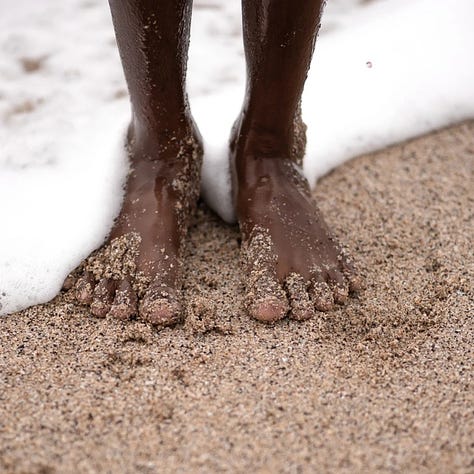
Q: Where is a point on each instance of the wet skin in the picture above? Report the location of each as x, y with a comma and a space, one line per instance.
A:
159, 197
165, 155
293, 264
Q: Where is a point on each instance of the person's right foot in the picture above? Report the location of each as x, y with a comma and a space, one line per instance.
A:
138, 269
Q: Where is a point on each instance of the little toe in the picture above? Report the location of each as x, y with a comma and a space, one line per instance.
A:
339, 286
356, 282
321, 295
161, 305
103, 297
70, 282
84, 288
301, 306
125, 302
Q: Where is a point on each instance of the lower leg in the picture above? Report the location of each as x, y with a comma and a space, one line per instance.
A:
279, 38
153, 40
293, 262
138, 269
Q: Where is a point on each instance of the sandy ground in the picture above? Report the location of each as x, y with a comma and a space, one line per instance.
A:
382, 384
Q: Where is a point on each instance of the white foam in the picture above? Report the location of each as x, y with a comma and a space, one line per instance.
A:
61, 159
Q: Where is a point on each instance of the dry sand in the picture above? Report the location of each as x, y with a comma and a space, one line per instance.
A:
382, 384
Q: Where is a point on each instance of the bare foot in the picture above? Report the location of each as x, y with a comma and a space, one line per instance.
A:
292, 262
138, 269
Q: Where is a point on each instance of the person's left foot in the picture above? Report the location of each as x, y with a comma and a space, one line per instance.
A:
293, 264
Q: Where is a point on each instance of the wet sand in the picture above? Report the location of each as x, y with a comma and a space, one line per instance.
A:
383, 384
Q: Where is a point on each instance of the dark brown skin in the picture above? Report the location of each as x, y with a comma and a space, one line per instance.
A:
304, 268
164, 145
293, 264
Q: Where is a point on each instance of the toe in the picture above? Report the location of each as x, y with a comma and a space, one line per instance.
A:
161, 305
84, 288
339, 286
301, 306
103, 297
266, 300
70, 282
321, 295
356, 282
268, 309
265, 297
124, 305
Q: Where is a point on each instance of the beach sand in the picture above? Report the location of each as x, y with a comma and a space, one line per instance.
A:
382, 384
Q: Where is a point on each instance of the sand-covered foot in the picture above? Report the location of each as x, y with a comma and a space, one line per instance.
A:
138, 270
292, 263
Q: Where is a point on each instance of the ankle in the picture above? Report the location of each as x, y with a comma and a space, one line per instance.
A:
163, 142
256, 141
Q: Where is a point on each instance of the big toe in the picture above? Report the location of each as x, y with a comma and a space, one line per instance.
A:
268, 309
266, 300
161, 305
